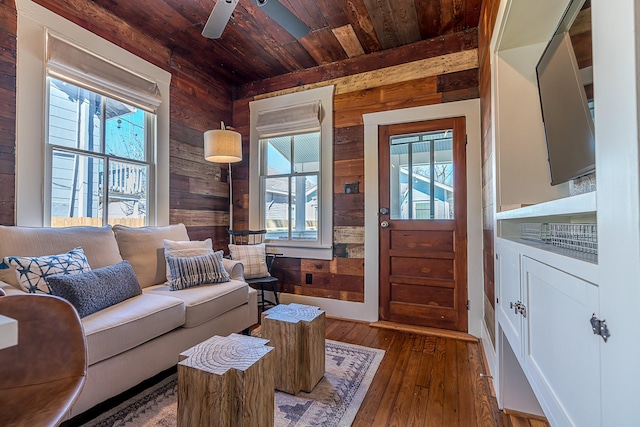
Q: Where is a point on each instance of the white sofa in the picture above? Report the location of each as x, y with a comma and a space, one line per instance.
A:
142, 336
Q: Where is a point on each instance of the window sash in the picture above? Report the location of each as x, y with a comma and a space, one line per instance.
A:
100, 154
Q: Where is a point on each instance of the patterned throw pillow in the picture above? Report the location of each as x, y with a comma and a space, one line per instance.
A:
253, 257
197, 270
97, 289
185, 249
32, 271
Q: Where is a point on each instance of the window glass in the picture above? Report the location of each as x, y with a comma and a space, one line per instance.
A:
290, 189
124, 131
99, 168
276, 208
75, 190
306, 151
74, 116
421, 176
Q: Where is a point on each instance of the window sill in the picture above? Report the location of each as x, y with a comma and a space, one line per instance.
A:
301, 252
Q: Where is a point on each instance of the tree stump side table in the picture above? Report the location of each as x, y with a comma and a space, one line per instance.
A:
296, 331
226, 381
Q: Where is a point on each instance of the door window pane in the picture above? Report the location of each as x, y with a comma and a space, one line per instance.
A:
421, 176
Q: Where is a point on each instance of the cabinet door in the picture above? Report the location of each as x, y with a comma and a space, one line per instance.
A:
509, 292
562, 359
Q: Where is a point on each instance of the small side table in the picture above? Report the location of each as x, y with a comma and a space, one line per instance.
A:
226, 381
297, 333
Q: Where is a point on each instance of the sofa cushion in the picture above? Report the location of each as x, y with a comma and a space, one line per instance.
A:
185, 249
253, 257
203, 303
144, 249
32, 272
130, 323
98, 243
195, 271
98, 289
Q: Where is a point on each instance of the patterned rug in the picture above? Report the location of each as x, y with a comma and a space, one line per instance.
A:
334, 402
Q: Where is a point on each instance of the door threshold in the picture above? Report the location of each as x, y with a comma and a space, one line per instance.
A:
423, 330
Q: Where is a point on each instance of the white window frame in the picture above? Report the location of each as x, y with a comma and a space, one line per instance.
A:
322, 248
34, 22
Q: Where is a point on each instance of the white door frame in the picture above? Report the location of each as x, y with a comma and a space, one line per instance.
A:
470, 109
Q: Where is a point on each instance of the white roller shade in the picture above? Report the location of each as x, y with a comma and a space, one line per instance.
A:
72, 63
289, 120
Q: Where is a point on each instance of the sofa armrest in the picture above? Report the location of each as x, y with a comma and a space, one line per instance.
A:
10, 289
234, 268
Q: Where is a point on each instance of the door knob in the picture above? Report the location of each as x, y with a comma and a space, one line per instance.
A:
384, 224
384, 211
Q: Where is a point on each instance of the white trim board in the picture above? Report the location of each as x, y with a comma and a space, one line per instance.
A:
368, 310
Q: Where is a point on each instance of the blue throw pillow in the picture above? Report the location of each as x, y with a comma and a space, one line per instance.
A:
198, 270
32, 272
96, 289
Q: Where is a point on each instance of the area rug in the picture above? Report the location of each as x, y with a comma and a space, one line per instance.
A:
349, 371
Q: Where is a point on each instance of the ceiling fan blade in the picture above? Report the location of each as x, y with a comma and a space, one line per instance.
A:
218, 19
284, 17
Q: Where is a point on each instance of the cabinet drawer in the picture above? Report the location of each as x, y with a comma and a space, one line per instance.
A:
562, 353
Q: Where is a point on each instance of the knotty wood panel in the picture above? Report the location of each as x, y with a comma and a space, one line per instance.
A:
8, 23
358, 94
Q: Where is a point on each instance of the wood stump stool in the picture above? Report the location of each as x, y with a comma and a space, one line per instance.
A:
296, 331
226, 381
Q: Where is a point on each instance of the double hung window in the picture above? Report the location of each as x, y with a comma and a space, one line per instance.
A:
291, 187
100, 140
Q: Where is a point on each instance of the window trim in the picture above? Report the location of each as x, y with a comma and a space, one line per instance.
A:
34, 21
323, 247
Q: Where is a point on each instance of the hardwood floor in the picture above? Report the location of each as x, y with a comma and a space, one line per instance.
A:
425, 380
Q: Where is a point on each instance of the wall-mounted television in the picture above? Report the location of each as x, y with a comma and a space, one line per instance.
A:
566, 98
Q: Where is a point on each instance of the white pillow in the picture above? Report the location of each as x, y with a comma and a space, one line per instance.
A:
253, 257
185, 249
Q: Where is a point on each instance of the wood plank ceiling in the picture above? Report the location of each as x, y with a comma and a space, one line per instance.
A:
253, 47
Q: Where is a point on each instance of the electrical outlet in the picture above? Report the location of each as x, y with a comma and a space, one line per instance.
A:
309, 278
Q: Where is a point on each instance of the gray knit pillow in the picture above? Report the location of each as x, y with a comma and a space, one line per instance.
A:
197, 270
96, 289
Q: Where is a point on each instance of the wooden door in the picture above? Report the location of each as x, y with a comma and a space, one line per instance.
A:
423, 223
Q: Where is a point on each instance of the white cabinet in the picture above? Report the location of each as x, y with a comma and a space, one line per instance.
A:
550, 335
562, 355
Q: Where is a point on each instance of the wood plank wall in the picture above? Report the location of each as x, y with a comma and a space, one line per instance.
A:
199, 193
488, 17
430, 72
8, 26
